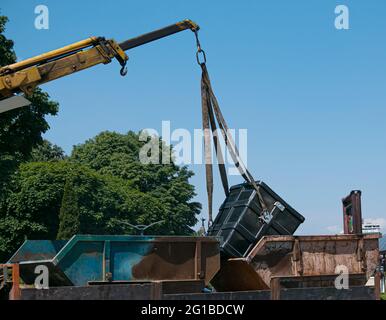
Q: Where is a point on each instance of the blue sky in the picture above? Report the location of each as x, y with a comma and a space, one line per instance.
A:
312, 97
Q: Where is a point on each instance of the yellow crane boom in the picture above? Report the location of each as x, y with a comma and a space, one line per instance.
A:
26, 75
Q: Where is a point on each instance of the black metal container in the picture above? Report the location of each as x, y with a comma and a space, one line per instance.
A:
240, 223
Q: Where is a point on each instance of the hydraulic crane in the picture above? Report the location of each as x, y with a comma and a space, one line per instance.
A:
26, 75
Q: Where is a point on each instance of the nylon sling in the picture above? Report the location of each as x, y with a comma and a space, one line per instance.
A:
210, 113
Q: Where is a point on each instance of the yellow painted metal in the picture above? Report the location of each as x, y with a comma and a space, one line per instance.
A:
74, 63
188, 24
22, 79
120, 54
26, 79
49, 55
25, 76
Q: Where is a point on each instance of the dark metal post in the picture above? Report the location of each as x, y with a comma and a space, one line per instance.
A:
275, 288
352, 213
377, 285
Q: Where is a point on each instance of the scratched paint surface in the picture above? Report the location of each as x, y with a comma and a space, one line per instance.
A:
33, 250
84, 262
125, 255
86, 258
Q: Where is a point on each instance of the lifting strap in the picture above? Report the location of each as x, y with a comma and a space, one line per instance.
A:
210, 113
209, 126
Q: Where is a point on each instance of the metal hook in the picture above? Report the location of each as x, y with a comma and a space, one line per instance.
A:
123, 70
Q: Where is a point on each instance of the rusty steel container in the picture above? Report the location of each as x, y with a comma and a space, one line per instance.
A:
107, 258
298, 257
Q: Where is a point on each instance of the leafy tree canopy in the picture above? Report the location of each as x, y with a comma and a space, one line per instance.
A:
20, 129
118, 155
47, 151
55, 199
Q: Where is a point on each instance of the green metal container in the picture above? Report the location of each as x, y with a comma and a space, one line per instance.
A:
94, 258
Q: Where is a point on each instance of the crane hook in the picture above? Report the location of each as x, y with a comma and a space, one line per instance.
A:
123, 70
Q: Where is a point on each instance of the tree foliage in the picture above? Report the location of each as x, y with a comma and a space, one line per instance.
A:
31, 205
55, 199
118, 155
69, 222
47, 151
20, 129
7, 54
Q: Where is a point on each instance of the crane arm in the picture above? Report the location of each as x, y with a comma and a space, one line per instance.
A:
26, 75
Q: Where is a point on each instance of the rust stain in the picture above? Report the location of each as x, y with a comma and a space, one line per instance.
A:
177, 261
277, 256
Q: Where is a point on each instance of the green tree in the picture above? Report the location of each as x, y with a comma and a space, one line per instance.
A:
69, 223
7, 55
47, 151
31, 206
37, 200
20, 129
118, 155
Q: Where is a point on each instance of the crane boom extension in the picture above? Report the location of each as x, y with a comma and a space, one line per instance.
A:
26, 75
158, 34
